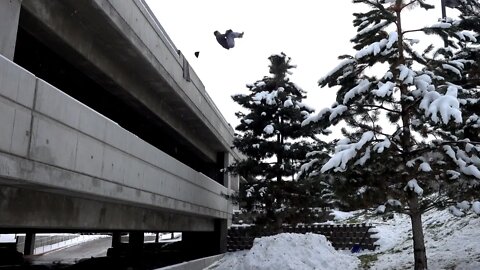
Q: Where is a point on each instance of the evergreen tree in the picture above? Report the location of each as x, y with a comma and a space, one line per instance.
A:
406, 144
274, 145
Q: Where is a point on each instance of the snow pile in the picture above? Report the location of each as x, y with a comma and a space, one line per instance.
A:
288, 251
476, 207
340, 215
451, 243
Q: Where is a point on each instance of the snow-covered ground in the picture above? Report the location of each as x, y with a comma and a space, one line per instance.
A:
288, 251
452, 243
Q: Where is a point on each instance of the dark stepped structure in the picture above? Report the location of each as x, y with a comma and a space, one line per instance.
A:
341, 236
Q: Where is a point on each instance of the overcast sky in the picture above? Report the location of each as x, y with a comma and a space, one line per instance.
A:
312, 32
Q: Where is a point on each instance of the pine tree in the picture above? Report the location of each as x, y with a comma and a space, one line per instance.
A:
274, 144
406, 141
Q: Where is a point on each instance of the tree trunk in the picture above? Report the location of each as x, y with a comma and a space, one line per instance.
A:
419, 252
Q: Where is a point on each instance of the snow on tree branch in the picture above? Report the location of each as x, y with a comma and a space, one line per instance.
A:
425, 167
345, 152
268, 129
269, 97
374, 27
443, 25
464, 35
376, 47
412, 185
406, 74
337, 111
379, 147
384, 89
340, 66
447, 106
362, 87
288, 103
315, 117
461, 159
306, 167
452, 69
392, 38
423, 83
366, 156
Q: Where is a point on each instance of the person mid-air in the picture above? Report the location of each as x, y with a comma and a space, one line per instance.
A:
227, 40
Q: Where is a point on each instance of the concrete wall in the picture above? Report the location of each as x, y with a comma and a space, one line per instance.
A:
9, 14
52, 141
194, 94
34, 209
123, 41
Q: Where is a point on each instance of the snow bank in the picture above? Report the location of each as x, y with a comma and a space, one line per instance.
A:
288, 251
340, 215
451, 242
7, 238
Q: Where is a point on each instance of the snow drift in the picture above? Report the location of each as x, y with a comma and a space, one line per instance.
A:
288, 251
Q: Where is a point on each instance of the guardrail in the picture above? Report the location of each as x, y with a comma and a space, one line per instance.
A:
45, 243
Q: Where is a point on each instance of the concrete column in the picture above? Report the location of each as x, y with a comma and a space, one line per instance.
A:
116, 239
203, 244
231, 181
226, 163
219, 167
9, 15
135, 240
221, 232
29, 244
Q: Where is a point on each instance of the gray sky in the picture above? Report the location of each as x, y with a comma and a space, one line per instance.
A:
312, 32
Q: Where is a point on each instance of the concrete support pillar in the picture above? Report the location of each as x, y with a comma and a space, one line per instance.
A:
135, 240
9, 15
203, 244
116, 239
221, 232
226, 163
29, 244
218, 172
231, 181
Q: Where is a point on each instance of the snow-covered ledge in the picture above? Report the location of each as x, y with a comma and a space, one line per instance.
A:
197, 264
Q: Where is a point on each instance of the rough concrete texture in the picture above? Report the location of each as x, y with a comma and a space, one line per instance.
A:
9, 14
51, 141
17, 87
23, 209
123, 42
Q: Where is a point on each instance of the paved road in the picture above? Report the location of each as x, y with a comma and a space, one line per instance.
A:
72, 254
94, 248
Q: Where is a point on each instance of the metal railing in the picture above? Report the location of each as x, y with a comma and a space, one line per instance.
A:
46, 243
